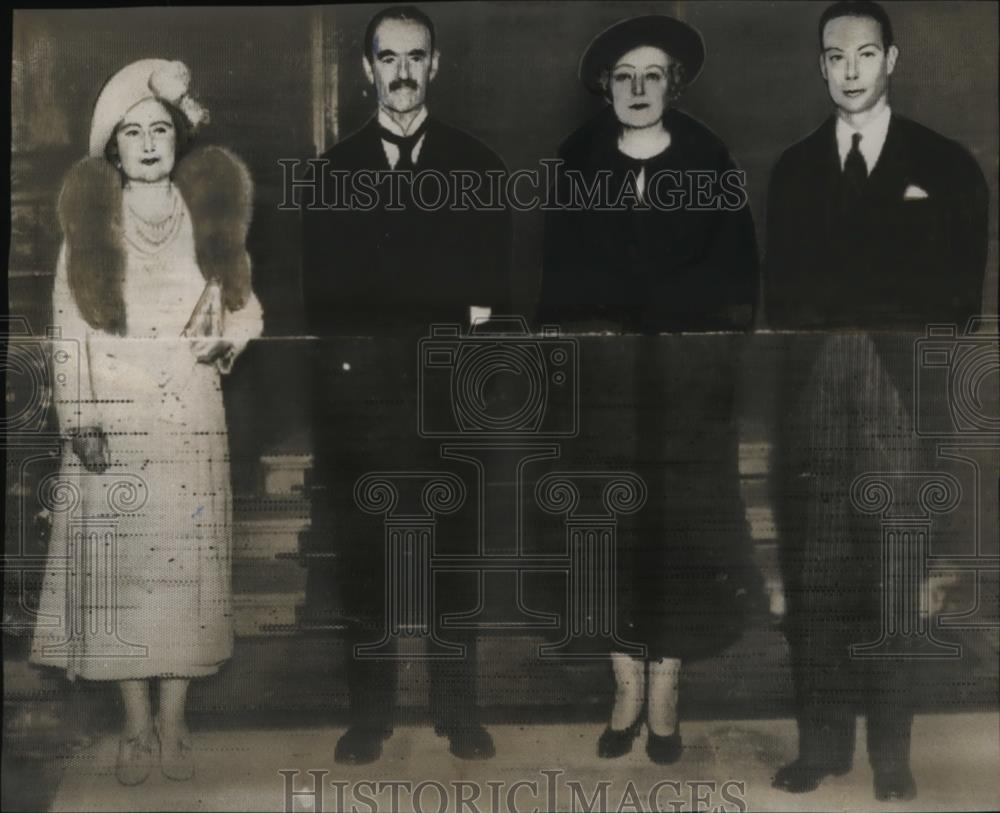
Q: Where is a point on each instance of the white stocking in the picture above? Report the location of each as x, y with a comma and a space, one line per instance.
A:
630, 689
664, 680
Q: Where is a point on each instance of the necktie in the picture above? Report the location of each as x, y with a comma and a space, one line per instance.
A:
404, 143
855, 171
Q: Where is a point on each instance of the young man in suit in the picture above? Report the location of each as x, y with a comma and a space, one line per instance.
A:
875, 223
389, 271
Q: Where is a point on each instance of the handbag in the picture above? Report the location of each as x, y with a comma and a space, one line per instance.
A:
206, 318
206, 321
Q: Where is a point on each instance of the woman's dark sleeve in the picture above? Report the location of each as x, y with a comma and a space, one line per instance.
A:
496, 233
734, 261
968, 238
553, 265
562, 286
733, 264
779, 266
717, 289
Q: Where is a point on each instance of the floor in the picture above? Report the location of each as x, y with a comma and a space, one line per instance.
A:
954, 761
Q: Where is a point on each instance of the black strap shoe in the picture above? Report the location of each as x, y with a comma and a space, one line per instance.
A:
664, 750
801, 777
467, 741
895, 785
360, 745
614, 743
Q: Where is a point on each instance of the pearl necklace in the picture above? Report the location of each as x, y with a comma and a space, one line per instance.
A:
151, 236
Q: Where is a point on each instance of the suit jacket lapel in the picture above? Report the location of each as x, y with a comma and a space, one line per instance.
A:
829, 171
428, 158
888, 178
374, 153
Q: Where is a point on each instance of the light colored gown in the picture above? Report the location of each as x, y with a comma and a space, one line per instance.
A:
138, 575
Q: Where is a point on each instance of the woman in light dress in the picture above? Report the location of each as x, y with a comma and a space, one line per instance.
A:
154, 302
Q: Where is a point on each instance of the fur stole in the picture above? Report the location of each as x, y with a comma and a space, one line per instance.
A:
217, 189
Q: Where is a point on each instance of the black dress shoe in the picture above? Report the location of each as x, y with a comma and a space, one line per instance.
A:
895, 785
467, 741
801, 777
360, 745
664, 750
614, 743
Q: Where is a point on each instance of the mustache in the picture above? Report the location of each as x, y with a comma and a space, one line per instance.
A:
397, 84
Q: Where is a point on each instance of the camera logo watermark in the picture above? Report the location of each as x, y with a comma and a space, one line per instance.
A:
957, 375
500, 398
77, 614
956, 405
498, 384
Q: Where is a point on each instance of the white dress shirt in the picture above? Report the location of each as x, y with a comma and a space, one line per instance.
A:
390, 149
873, 136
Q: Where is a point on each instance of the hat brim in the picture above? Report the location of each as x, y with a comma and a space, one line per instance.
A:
677, 39
125, 89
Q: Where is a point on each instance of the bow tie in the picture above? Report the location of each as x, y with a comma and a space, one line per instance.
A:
405, 143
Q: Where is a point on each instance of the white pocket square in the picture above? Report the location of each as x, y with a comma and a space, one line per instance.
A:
914, 192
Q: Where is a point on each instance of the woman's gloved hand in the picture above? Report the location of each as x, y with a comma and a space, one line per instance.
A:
207, 351
91, 446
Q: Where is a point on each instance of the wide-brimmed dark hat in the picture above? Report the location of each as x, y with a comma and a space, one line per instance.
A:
678, 39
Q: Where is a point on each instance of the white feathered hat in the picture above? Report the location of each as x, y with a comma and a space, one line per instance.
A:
158, 79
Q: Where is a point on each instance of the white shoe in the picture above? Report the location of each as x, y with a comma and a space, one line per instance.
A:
136, 756
176, 759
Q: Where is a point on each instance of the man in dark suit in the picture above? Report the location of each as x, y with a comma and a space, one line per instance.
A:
875, 223
389, 271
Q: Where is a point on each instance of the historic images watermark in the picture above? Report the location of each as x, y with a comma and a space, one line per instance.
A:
93, 606
80, 506
500, 430
549, 789
956, 406
313, 185
33, 365
37, 369
906, 630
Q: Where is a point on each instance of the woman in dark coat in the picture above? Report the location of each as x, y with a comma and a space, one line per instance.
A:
666, 245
